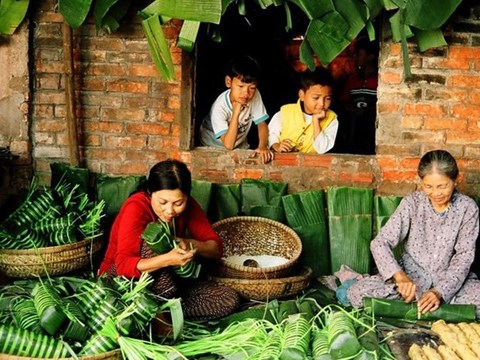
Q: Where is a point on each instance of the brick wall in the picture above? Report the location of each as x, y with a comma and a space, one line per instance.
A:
129, 118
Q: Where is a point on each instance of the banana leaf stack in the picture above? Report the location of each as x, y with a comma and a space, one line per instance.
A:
263, 198
350, 227
202, 192
227, 201
384, 207
305, 214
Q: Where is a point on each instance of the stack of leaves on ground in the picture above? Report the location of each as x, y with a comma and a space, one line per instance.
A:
50, 217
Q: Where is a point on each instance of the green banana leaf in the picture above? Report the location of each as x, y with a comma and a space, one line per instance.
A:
427, 39
314, 8
188, 35
74, 11
429, 14
12, 13
159, 47
209, 11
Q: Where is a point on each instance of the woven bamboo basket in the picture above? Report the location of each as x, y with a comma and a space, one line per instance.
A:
268, 289
111, 355
257, 236
52, 260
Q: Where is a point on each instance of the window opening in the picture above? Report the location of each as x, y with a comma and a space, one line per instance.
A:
262, 34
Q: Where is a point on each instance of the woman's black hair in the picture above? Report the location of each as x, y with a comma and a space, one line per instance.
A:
169, 175
440, 162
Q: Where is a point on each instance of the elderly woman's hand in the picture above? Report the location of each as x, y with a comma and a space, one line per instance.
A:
430, 301
405, 286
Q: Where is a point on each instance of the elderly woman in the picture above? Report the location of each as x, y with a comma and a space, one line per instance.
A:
439, 228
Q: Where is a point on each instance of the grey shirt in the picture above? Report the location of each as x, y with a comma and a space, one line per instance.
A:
439, 248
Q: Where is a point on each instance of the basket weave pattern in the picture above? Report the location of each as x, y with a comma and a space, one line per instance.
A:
264, 290
54, 260
249, 235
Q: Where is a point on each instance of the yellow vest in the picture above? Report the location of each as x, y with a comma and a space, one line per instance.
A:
295, 129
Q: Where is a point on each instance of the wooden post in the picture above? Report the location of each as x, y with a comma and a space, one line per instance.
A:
70, 96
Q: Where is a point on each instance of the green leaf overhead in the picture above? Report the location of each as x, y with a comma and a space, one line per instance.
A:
209, 11
12, 13
427, 39
429, 14
74, 11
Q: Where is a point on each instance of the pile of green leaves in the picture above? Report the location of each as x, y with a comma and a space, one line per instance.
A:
51, 217
73, 317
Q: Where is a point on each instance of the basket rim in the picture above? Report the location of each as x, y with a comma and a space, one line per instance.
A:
268, 269
49, 249
305, 273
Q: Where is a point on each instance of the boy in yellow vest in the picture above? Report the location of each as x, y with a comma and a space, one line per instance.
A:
308, 126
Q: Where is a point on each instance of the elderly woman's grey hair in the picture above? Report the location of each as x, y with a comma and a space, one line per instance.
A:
439, 162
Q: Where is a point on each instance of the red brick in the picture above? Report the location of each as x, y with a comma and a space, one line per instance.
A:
408, 163
50, 67
439, 123
391, 78
399, 176
387, 108
104, 70
44, 111
356, 177
123, 114
463, 137
50, 98
317, 161
475, 98
105, 154
213, 174
128, 86
167, 116
143, 70
284, 159
50, 125
93, 84
447, 64
148, 129
465, 111
173, 103
239, 174
387, 162
125, 142
423, 109
103, 126
469, 81
412, 122
464, 52
126, 168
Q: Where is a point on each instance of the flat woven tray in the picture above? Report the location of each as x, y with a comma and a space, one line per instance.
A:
111, 355
54, 260
267, 289
256, 236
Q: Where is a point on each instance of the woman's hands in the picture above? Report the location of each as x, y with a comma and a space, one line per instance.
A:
180, 256
430, 301
405, 286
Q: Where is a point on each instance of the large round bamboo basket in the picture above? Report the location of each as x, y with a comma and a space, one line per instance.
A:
268, 289
53, 260
111, 355
257, 236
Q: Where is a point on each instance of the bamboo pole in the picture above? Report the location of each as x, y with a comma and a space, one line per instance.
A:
70, 96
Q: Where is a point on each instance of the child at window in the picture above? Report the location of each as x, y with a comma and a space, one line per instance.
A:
308, 126
234, 111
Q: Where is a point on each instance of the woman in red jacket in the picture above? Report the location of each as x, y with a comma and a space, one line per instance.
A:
166, 196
